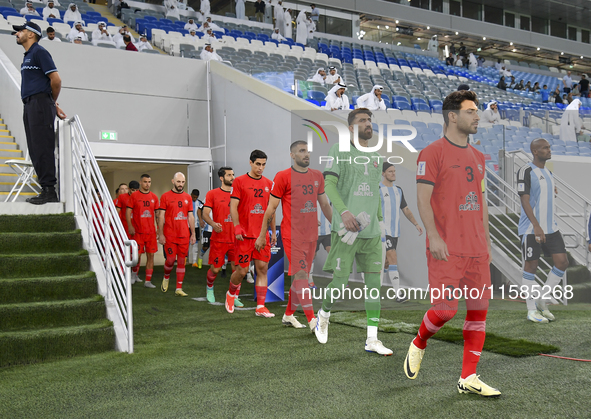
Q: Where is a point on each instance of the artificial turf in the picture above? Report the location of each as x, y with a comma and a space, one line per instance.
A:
194, 360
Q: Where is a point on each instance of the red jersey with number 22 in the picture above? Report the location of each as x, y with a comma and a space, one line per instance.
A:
299, 196
254, 199
218, 201
176, 217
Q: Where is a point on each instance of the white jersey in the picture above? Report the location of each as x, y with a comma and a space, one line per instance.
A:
198, 205
324, 227
392, 202
539, 185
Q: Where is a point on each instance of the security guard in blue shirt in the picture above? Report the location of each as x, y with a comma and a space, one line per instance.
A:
40, 87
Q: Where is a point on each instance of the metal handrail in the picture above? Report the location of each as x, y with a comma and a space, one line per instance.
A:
87, 195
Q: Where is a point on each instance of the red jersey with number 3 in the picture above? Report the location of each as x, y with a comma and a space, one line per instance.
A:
299, 196
218, 201
143, 206
121, 204
254, 199
177, 207
457, 176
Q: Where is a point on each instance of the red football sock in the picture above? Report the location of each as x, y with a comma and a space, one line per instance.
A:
433, 320
180, 273
136, 268
261, 294
291, 303
210, 278
304, 296
474, 334
149, 273
234, 289
168, 265
238, 290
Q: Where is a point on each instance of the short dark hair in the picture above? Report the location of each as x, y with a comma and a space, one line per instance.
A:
145, 175
126, 38
222, 171
50, 30
545, 85
297, 143
386, 166
134, 184
195, 192
257, 154
453, 102
356, 112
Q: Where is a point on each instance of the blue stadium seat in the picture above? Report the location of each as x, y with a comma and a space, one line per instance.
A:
401, 122
419, 124
316, 95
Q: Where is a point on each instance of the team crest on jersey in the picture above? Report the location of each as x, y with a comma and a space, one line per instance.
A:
316, 183
521, 187
363, 190
308, 207
180, 216
375, 164
266, 189
421, 168
186, 202
471, 203
258, 209
228, 219
152, 201
480, 168
146, 214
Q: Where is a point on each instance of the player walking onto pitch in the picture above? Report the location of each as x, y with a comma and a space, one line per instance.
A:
452, 205
176, 230
538, 230
249, 200
392, 202
141, 207
216, 213
297, 189
354, 192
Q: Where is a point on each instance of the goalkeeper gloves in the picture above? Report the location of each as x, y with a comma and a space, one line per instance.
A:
348, 237
383, 231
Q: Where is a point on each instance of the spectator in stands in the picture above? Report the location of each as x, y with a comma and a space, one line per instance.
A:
507, 73
332, 77
372, 100
29, 10
570, 123
277, 36
491, 114
204, 27
459, 61
288, 24
452, 49
279, 15
76, 31
433, 45
315, 15
302, 28
499, 65
311, 27
191, 25
143, 43
556, 95
51, 35
212, 25
208, 54
575, 92
481, 61
77, 40
210, 38
337, 100
569, 98
240, 10
567, 82
183, 6
450, 60
319, 77
519, 86
204, 9
502, 85
259, 10
120, 5
129, 46
463, 53
101, 34
172, 9
545, 92
527, 87
536, 88
584, 83
72, 14
118, 38
56, 3
472, 62
512, 83
50, 11
192, 35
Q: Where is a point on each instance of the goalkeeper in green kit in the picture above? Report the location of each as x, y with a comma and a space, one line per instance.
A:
352, 184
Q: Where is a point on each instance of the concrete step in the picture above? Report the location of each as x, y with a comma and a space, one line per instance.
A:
8, 145
10, 153
16, 157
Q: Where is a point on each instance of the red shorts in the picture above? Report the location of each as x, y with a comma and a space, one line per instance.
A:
300, 256
218, 251
146, 243
180, 250
245, 252
470, 275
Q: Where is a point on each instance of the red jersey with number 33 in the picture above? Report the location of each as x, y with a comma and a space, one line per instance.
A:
219, 202
177, 207
457, 176
254, 199
143, 206
299, 196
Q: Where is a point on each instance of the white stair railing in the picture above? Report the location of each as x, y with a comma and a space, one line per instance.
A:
85, 193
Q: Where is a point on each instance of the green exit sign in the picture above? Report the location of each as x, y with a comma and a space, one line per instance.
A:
108, 136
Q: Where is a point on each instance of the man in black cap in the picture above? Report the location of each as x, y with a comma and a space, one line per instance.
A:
40, 88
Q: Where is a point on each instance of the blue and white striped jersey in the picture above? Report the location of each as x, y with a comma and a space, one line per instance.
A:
324, 227
539, 185
392, 202
198, 205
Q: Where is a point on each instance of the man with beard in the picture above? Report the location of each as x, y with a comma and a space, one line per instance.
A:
176, 230
354, 192
298, 189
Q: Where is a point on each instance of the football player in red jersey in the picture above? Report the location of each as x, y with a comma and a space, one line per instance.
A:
176, 230
452, 203
141, 208
298, 189
122, 189
121, 203
216, 213
249, 200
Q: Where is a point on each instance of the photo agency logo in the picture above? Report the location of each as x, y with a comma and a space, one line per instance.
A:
393, 133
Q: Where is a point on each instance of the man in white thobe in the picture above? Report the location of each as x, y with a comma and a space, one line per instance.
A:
302, 28
491, 114
208, 54
279, 13
192, 36
570, 123
29, 10
72, 14
77, 31
143, 44
319, 77
172, 9
50, 11
51, 35
337, 100
433, 44
191, 25
287, 23
372, 100
212, 25
204, 9
240, 10
101, 34
277, 36
118, 38
332, 77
